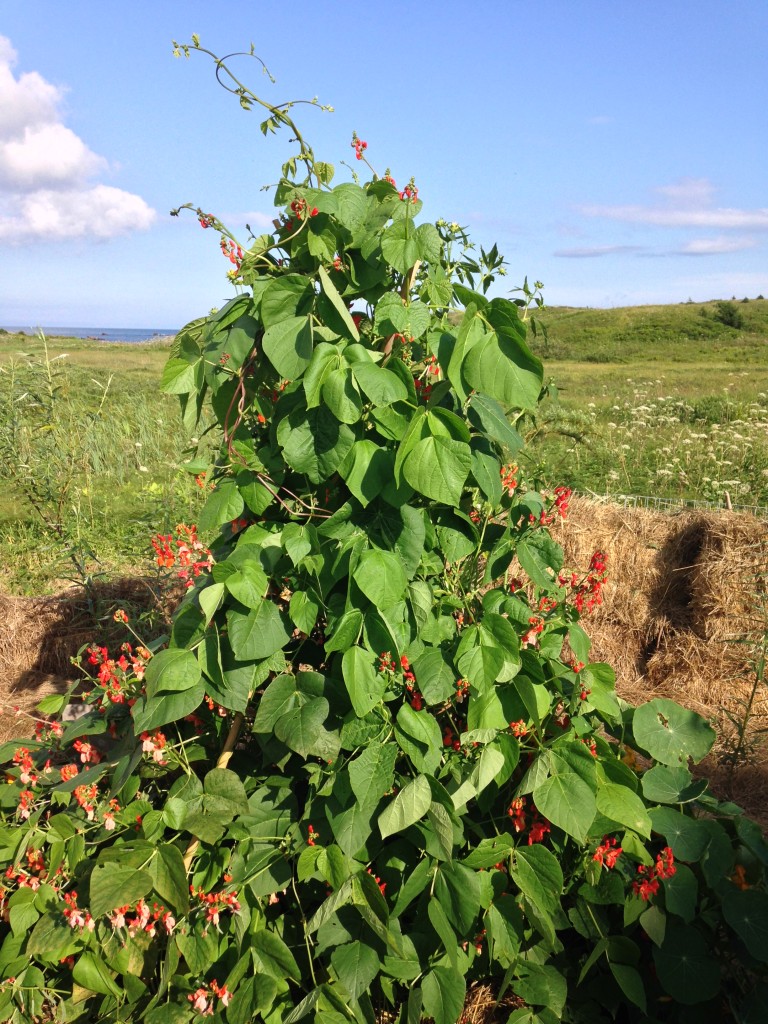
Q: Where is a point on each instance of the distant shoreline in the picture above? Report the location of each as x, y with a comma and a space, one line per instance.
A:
124, 335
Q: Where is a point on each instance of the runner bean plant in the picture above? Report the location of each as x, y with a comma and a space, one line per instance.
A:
373, 766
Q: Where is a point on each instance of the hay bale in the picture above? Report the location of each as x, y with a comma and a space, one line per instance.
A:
686, 602
43, 634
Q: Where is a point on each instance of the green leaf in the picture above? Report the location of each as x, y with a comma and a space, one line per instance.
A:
419, 736
681, 893
49, 936
171, 670
442, 926
346, 631
620, 804
314, 442
540, 985
686, 836
278, 699
458, 890
746, 911
92, 973
380, 385
409, 806
181, 377
290, 295
367, 470
630, 982
503, 368
438, 467
365, 685
663, 785
685, 967
356, 965
393, 316
372, 774
435, 676
341, 396
255, 995
324, 359
444, 992
303, 731
400, 245
210, 599
351, 205
112, 886
381, 577
224, 504
276, 958
568, 802
486, 471
541, 557
303, 611
155, 712
170, 877
223, 787
671, 734
288, 346
248, 585
258, 634
487, 415
537, 873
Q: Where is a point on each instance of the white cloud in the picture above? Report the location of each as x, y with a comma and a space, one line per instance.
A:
715, 246
687, 203
98, 212
47, 171
587, 252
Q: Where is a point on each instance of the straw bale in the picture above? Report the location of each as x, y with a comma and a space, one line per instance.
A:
42, 635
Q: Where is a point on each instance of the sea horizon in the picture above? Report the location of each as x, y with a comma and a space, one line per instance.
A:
97, 333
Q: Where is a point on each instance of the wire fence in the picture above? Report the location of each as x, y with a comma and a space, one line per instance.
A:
677, 504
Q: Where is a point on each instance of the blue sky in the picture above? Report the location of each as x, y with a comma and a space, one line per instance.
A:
615, 150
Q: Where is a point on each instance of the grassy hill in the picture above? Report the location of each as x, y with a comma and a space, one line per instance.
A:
689, 332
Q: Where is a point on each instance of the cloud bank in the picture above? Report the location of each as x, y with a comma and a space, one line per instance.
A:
47, 172
688, 203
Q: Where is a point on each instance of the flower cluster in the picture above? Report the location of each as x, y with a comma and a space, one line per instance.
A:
154, 743
558, 507
300, 210
202, 999
538, 827
214, 903
144, 919
531, 636
509, 475
586, 591
647, 884
75, 917
359, 146
232, 251
608, 852
191, 554
115, 676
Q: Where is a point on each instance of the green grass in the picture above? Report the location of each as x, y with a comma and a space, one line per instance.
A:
658, 400
93, 450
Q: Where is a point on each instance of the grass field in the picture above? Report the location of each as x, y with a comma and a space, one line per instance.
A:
93, 450
666, 401
662, 401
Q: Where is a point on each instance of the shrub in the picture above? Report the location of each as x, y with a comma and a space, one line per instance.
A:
728, 313
374, 765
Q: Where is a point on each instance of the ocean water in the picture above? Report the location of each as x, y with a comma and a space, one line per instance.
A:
100, 333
